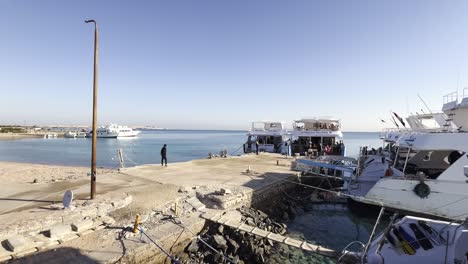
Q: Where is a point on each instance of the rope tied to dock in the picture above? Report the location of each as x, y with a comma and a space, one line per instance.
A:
179, 222
173, 260
232, 153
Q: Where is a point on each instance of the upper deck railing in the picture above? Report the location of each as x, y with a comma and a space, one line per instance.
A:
451, 97
316, 125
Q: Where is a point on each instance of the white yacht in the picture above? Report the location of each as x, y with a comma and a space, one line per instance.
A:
270, 136
393, 154
316, 136
114, 131
125, 131
429, 177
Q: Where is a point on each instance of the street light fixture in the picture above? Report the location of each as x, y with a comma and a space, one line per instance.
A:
93, 151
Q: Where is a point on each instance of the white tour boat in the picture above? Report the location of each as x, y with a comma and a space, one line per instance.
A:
114, 131
317, 136
268, 136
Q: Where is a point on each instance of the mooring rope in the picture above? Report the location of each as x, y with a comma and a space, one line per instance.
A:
237, 150
200, 239
130, 159
174, 260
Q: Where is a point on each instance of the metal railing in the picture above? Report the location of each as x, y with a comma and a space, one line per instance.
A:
451, 97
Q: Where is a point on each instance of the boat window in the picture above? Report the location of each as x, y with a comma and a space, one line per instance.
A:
430, 162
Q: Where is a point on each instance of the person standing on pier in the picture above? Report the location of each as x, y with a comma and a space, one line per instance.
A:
163, 155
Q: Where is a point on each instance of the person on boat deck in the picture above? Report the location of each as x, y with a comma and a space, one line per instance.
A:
327, 149
164, 155
389, 171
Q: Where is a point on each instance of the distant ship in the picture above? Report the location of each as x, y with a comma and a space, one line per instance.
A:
114, 131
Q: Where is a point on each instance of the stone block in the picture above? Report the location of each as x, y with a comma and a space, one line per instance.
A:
293, 242
122, 203
233, 224
195, 203
99, 227
59, 231
260, 232
19, 243
246, 228
86, 232
68, 238
276, 237
80, 226
223, 220
25, 252
48, 245
5, 258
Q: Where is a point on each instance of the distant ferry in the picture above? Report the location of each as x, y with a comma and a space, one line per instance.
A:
114, 131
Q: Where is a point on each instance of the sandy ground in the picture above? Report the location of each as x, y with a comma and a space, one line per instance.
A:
22, 173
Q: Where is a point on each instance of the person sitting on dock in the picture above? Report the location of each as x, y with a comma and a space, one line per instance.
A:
163, 155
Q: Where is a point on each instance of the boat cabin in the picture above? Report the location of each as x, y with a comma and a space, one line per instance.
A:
315, 137
267, 137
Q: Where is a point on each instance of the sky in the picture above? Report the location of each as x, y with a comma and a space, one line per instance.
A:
211, 64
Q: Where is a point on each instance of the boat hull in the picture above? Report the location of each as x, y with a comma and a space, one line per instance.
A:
399, 193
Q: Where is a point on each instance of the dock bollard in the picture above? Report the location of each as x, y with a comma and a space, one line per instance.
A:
136, 226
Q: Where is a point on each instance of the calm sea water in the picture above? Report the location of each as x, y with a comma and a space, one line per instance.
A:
183, 145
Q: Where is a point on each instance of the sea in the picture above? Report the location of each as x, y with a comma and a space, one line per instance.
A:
327, 225
182, 145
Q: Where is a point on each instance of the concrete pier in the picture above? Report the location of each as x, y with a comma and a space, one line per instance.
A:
193, 187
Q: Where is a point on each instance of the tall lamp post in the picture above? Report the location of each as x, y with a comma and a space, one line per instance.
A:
93, 153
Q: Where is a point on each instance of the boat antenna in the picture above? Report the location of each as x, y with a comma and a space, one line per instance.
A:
422, 100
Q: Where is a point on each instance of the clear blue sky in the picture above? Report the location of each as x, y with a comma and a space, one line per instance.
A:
222, 64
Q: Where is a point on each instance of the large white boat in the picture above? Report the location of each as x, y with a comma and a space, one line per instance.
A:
268, 136
125, 131
430, 177
114, 131
317, 136
374, 166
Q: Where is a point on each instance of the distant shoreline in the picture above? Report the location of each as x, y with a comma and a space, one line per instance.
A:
15, 136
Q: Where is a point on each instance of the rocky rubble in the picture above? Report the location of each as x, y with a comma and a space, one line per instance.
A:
239, 246
242, 247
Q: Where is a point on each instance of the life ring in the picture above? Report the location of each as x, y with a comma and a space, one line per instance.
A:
422, 190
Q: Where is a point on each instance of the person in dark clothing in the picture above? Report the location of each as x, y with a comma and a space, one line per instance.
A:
163, 155
256, 147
